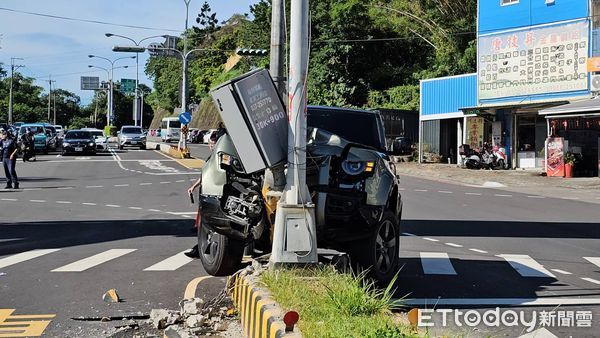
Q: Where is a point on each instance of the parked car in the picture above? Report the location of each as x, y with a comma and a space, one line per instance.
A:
402, 146
53, 140
79, 141
132, 136
40, 138
101, 140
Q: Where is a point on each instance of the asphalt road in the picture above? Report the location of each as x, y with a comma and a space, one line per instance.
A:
84, 224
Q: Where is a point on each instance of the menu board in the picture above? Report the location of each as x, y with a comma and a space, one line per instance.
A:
533, 61
555, 157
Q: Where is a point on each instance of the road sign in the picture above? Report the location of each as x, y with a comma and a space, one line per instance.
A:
129, 49
185, 118
90, 83
127, 86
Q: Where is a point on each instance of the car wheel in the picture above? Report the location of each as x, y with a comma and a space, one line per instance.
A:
220, 255
380, 257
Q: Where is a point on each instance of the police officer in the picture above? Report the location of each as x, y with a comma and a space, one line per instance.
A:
9, 159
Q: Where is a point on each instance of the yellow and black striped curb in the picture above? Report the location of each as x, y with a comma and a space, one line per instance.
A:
260, 315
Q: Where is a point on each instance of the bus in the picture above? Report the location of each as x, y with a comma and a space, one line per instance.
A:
170, 127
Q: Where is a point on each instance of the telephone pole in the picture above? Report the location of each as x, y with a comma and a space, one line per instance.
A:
50, 81
13, 67
277, 62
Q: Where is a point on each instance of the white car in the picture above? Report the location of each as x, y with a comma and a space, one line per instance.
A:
101, 140
206, 137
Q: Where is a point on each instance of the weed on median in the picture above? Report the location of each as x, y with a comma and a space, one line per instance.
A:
333, 304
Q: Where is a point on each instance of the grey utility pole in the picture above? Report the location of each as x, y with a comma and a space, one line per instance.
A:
13, 67
295, 237
277, 62
184, 62
50, 81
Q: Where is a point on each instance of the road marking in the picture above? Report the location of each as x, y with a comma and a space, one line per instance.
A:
593, 260
10, 199
479, 251
539, 333
562, 272
445, 192
89, 203
502, 195
154, 210
454, 245
32, 189
182, 213
23, 325
539, 197
527, 266
90, 262
11, 240
172, 263
145, 183
186, 216
431, 239
121, 185
113, 206
180, 181
94, 186
190, 289
591, 280
409, 234
135, 208
473, 193
436, 263
551, 301
64, 202
64, 188
165, 182
38, 201
570, 198
24, 256
401, 189
421, 190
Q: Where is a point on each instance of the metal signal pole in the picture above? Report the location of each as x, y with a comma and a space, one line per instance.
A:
13, 67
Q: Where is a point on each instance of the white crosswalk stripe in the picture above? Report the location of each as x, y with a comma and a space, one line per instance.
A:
24, 256
90, 262
171, 264
593, 260
436, 263
527, 266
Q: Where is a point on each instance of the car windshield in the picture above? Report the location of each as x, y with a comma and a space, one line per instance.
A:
174, 124
357, 127
77, 135
132, 130
97, 133
51, 129
34, 129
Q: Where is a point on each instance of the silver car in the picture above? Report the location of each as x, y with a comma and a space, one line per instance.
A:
101, 140
132, 136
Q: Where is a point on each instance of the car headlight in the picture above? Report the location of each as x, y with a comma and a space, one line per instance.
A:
66, 144
354, 168
91, 144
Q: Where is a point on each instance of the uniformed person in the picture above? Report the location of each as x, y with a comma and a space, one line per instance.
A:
9, 159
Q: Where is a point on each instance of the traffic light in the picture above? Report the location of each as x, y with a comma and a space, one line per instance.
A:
251, 52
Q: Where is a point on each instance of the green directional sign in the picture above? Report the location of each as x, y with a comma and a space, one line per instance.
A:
127, 86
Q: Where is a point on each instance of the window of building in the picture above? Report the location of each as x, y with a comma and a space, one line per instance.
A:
508, 2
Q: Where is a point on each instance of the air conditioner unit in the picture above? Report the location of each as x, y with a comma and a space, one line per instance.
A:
595, 83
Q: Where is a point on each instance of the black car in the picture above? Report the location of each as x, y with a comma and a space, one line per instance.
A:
79, 142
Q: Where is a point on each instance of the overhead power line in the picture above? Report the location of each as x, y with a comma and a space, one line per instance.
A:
87, 21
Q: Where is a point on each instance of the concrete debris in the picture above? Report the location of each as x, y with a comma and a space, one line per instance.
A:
105, 319
177, 332
222, 326
161, 318
192, 306
111, 296
195, 321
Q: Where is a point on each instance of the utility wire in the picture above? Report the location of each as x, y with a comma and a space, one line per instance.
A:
86, 20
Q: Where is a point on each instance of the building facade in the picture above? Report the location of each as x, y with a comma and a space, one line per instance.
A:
532, 55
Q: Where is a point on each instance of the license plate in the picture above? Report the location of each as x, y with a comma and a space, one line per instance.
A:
133, 142
78, 149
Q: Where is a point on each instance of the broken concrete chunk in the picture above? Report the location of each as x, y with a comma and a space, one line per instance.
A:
161, 318
192, 306
177, 332
111, 296
195, 321
222, 326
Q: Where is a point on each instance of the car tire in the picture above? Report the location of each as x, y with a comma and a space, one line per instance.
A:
380, 257
220, 255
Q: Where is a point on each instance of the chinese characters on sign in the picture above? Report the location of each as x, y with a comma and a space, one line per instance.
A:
555, 157
533, 61
475, 128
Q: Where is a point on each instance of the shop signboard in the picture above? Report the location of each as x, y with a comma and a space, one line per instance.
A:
555, 157
533, 61
475, 127
593, 64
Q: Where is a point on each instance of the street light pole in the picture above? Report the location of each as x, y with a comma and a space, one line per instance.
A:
184, 64
50, 81
10, 94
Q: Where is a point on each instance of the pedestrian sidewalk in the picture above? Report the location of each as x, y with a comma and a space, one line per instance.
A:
522, 181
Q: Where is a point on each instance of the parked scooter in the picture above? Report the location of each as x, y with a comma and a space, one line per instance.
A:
487, 158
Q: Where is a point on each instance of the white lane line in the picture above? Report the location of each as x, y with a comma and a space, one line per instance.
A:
113, 206
431, 239
538, 197
135, 208
145, 183
454, 245
503, 195
171, 264
420, 190
86, 203
593, 260
551, 301
9, 199
527, 266
445, 192
186, 216
64, 188
409, 234
121, 185
473, 193
570, 198
165, 182
401, 189
479, 251
64, 202
436, 263
90, 262
182, 213
591, 280
94, 186
4, 240
24, 256
193, 180
154, 210
32, 189
180, 181
38, 201
562, 272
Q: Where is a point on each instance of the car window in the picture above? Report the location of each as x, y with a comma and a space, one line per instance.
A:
97, 133
34, 129
74, 135
353, 126
174, 124
131, 130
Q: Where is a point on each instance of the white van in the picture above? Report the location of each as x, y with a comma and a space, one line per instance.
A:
170, 127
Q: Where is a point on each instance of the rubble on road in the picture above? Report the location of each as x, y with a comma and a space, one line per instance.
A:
111, 296
162, 318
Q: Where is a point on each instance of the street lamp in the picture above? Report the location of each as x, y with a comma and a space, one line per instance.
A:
110, 81
108, 96
137, 71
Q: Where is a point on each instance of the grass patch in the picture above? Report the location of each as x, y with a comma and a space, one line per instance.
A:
332, 304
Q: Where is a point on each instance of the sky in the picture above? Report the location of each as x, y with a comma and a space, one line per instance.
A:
61, 47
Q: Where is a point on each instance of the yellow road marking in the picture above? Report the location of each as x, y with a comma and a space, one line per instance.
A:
190, 290
22, 325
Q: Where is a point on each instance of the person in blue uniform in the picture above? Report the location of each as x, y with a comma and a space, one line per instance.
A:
8, 153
